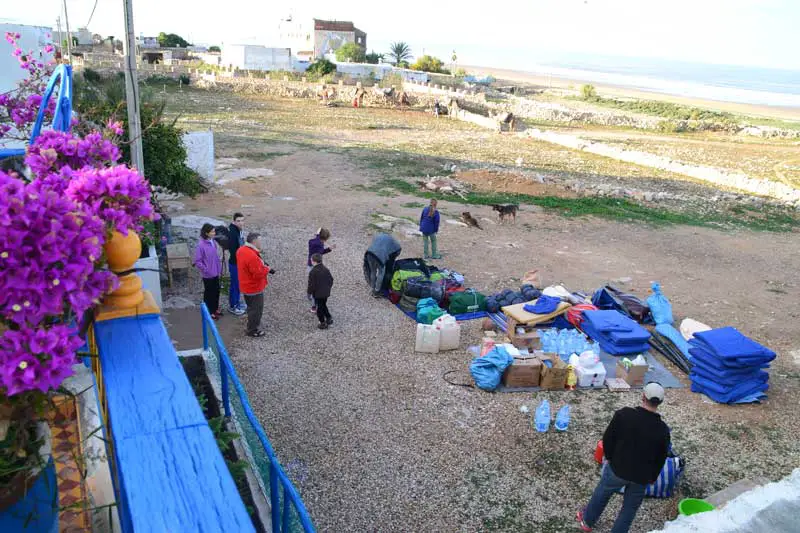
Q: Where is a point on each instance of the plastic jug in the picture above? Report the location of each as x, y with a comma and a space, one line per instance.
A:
450, 332
562, 418
428, 338
541, 420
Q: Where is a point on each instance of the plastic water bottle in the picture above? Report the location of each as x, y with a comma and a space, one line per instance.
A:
542, 417
596, 348
562, 418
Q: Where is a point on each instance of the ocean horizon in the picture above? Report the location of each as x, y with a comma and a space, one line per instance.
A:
726, 83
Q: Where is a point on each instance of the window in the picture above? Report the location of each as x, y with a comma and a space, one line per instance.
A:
359, 40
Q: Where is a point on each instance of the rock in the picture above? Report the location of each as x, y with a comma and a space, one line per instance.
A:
624, 280
178, 302
230, 193
649, 197
388, 226
455, 222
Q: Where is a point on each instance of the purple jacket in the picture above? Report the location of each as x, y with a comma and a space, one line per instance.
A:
316, 246
206, 259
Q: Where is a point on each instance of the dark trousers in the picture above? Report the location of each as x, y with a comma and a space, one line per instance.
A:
322, 309
211, 294
608, 486
255, 308
233, 293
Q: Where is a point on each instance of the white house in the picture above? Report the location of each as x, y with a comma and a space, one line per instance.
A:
256, 57
31, 38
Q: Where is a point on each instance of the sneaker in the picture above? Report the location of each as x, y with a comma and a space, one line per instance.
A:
581, 524
238, 311
437, 256
242, 306
323, 325
329, 321
313, 310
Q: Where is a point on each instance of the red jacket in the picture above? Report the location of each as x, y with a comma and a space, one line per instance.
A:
252, 270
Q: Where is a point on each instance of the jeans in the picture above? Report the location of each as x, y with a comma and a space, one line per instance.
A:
234, 295
631, 500
432, 239
211, 294
322, 310
255, 308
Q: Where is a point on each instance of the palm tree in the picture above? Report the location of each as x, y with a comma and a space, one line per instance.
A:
400, 52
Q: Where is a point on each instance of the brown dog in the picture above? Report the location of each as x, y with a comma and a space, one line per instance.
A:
469, 220
506, 212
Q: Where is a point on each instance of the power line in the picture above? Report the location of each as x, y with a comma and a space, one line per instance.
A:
92, 15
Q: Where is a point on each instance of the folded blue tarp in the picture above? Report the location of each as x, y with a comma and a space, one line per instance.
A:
729, 345
711, 363
616, 333
677, 339
735, 395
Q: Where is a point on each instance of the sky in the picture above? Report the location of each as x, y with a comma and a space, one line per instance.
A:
518, 32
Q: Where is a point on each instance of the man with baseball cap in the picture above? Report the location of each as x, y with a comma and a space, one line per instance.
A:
635, 444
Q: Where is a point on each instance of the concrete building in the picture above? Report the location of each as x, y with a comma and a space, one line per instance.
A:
147, 42
256, 57
311, 39
31, 38
330, 35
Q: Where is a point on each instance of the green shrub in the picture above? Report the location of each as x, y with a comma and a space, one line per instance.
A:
350, 52
428, 63
184, 79
588, 92
320, 68
162, 144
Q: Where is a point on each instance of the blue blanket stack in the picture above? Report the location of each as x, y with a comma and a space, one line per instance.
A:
616, 333
729, 367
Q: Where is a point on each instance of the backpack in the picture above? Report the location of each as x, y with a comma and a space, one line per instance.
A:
428, 311
667, 482
413, 263
408, 303
400, 276
469, 301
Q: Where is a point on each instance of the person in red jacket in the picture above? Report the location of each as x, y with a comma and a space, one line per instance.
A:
253, 273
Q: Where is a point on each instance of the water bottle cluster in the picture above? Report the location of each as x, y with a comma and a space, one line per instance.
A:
566, 342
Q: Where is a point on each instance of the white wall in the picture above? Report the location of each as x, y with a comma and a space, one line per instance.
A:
200, 152
255, 57
32, 38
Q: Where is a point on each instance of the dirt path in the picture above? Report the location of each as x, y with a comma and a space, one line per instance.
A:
390, 446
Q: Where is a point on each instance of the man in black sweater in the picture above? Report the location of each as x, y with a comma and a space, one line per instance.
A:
635, 443
235, 241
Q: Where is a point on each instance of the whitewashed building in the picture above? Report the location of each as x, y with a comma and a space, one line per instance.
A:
256, 57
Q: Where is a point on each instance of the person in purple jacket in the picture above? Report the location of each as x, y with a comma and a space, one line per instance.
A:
317, 246
209, 264
429, 226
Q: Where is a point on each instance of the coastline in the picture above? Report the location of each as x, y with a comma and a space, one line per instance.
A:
756, 110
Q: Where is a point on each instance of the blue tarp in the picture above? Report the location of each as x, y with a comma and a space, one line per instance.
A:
616, 333
728, 366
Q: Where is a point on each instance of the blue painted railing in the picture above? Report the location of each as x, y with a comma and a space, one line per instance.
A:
62, 117
283, 519
168, 472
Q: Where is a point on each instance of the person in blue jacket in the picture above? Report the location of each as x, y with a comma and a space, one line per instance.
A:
429, 226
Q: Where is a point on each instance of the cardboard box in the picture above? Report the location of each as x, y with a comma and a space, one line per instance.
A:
523, 373
633, 376
554, 377
529, 339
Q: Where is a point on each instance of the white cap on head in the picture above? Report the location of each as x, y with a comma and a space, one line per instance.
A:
654, 392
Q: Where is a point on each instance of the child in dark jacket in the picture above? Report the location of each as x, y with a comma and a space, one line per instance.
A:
317, 246
320, 282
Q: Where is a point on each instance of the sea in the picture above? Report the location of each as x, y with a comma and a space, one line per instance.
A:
727, 83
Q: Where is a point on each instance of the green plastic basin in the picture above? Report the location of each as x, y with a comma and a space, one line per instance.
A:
690, 506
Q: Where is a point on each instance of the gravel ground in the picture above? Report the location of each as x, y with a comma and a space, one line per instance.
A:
390, 446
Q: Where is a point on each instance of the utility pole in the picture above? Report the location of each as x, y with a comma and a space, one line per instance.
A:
60, 35
132, 91
69, 35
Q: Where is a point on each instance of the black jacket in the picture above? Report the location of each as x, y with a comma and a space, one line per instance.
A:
320, 281
234, 241
636, 443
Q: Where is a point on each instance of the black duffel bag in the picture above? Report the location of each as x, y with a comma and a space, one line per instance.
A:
422, 288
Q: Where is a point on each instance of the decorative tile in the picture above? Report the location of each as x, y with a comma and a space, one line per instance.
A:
65, 432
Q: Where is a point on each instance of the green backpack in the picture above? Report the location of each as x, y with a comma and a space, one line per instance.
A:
401, 275
468, 301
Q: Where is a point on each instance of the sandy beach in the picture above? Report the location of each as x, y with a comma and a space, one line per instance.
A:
776, 112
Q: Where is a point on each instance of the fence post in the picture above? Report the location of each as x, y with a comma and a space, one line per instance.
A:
223, 377
203, 312
274, 497
286, 513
